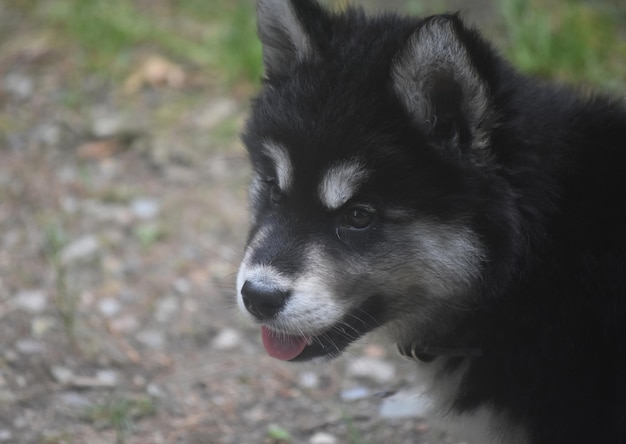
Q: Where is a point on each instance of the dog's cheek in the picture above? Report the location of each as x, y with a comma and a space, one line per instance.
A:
430, 260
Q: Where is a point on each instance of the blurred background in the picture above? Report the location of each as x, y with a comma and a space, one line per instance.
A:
123, 215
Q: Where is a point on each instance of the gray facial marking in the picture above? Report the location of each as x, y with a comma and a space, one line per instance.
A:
282, 164
340, 182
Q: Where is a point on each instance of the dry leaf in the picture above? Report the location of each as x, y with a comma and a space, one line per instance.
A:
155, 71
99, 149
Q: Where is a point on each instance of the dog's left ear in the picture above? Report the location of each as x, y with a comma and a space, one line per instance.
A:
291, 31
438, 84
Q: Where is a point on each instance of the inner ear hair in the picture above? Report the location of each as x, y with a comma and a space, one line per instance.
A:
436, 81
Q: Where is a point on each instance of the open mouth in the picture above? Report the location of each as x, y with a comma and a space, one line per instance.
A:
329, 343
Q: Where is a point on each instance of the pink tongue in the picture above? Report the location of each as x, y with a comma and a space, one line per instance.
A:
282, 346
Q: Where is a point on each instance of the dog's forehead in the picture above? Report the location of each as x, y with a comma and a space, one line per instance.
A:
334, 182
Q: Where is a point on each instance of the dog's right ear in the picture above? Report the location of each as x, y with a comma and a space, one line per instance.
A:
439, 85
290, 31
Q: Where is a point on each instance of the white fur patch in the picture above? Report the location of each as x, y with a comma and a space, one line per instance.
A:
453, 252
483, 425
312, 306
282, 164
443, 260
341, 182
248, 271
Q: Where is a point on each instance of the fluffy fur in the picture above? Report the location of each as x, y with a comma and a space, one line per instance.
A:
405, 176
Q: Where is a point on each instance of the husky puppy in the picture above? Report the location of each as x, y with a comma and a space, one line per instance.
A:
405, 176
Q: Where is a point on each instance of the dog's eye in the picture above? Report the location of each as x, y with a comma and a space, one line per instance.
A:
276, 195
359, 217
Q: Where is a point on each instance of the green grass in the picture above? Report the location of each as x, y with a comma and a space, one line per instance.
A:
354, 436
66, 298
120, 413
218, 35
149, 233
567, 40
278, 434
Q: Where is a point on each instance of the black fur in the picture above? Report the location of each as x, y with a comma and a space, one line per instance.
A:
545, 191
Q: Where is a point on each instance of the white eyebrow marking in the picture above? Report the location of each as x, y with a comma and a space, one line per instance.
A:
282, 164
340, 183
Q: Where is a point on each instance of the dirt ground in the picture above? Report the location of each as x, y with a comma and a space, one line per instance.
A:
122, 219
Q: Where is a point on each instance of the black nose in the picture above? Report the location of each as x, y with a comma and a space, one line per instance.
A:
262, 302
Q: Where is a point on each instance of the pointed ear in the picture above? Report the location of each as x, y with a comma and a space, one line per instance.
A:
290, 31
439, 86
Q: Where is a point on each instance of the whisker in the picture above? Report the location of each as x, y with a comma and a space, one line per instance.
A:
343, 327
361, 311
458, 307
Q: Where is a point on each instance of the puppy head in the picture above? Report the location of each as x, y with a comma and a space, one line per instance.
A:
370, 150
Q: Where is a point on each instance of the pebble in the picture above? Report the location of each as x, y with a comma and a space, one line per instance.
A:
107, 124
112, 264
23, 421
73, 399
29, 346
108, 212
255, 415
151, 338
107, 377
355, 393
41, 325
166, 308
226, 339
181, 286
19, 85
109, 307
81, 249
323, 438
68, 175
308, 380
154, 390
125, 324
31, 300
405, 404
5, 435
371, 368
62, 375
139, 381
48, 135
145, 208
374, 351
9, 356
6, 397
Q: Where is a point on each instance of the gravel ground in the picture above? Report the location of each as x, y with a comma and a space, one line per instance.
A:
122, 219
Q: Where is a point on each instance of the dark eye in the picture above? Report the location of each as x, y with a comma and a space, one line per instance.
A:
359, 217
276, 195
